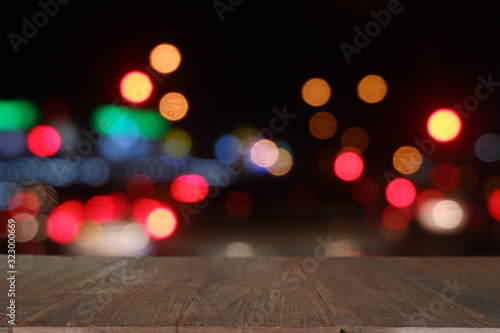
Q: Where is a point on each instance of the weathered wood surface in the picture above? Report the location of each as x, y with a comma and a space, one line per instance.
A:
268, 294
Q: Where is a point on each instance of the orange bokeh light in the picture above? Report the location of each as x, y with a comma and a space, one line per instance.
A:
407, 160
316, 92
173, 106
322, 125
355, 137
165, 58
372, 89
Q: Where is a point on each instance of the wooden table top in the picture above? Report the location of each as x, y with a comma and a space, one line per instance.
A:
264, 294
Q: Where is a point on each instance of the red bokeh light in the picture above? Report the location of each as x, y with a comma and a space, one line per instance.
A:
64, 221
348, 166
140, 186
24, 204
141, 208
494, 204
106, 208
428, 195
99, 209
120, 205
189, 188
400, 192
396, 218
365, 191
238, 204
446, 177
44, 141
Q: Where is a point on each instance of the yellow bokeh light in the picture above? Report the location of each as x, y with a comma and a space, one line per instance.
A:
264, 153
283, 164
372, 89
444, 125
165, 58
322, 125
177, 143
316, 92
173, 106
407, 160
161, 223
355, 137
136, 87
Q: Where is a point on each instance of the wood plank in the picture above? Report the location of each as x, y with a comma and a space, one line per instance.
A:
41, 281
266, 291
422, 330
459, 280
253, 329
147, 292
364, 292
94, 330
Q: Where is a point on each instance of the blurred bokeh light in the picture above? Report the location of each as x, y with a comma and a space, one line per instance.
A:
372, 89
165, 58
316, 92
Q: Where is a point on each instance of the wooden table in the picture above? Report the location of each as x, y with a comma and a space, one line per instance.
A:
265, 294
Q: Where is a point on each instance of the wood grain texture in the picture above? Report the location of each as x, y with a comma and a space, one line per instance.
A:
94, 330
147, 292
43, 281
459, 280
268, 294
422, 330
366, 292
257, 292
225, 329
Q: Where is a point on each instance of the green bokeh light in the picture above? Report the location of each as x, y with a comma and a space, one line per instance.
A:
120, 121
17, 115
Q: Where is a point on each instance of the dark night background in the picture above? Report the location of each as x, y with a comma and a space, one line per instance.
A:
237, 70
